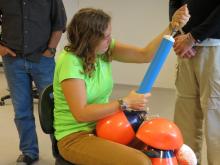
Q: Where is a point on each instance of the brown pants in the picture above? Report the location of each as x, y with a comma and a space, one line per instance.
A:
198, 101
84, 148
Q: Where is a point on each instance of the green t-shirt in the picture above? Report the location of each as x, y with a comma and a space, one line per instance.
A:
98, 89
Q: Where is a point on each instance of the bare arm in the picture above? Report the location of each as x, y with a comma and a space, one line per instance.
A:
133, 54
75, 93
53, 42
58, 24
54, 39
4, 51
77, 102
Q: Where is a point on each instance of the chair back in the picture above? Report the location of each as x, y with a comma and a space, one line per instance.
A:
46, 116
45, 109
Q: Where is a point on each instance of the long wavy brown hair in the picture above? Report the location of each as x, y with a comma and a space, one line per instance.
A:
84, 33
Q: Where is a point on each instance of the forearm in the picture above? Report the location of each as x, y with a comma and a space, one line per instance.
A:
152, 47
126, 53
132, 54
94, 112
179, 19
75, 94
54, 39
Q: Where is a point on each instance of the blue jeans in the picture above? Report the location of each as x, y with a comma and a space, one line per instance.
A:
19, 74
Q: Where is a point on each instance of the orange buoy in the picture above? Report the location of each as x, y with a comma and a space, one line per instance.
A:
120, 127
160, 133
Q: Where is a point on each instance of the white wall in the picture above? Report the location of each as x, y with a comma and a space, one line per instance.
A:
71, 6
134, 22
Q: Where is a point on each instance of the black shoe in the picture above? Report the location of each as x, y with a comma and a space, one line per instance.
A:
25, 160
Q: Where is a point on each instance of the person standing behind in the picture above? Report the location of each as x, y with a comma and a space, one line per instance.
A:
198, 77
31, 31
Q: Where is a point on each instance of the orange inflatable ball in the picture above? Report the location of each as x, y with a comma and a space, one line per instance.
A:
120, 127
160, 133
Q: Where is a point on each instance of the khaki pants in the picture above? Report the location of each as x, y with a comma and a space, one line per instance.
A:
84, 148
198, 101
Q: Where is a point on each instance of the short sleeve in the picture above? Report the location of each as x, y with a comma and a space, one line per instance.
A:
112, 45
58, 16
71, 67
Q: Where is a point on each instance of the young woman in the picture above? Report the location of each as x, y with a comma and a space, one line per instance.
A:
83, 83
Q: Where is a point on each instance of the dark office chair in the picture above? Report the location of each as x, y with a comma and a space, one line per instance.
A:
45, 108
3, 98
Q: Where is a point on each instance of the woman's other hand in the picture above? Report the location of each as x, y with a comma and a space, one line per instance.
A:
180, 18
136, 101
